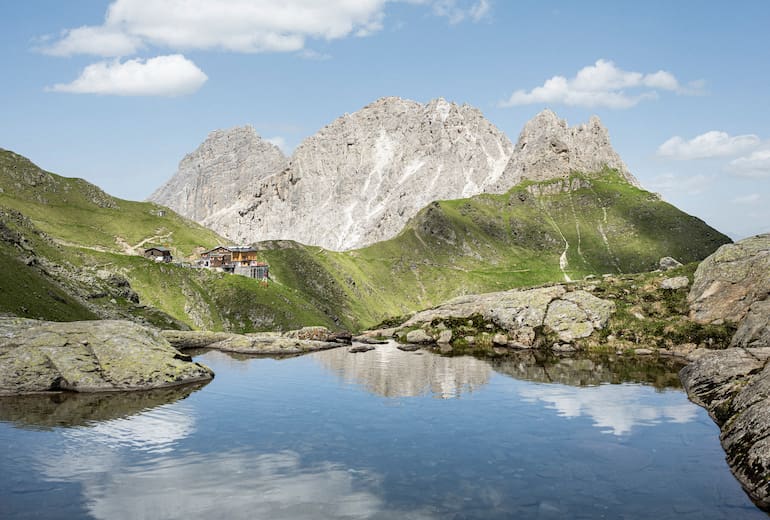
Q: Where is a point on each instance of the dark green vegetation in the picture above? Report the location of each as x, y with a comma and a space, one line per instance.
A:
76, 254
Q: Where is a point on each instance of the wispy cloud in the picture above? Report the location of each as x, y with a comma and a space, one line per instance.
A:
710, 144
458, 11
602, 84
172, 75
668, 183
755, 165
746, 200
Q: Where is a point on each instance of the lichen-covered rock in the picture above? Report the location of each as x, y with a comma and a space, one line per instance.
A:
89, 356
754, 330
510, 310
577, 314
667, 263
419, 337
734, 386
729, 281
519, 313
444, 337
672, 284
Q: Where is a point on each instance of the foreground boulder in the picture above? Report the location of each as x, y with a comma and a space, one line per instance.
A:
89, 356
728, 282
732, 285
515, 318
734, 386
302, 341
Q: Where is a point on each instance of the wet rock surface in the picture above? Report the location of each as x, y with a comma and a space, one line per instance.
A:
734, 386
732, 285
89, 356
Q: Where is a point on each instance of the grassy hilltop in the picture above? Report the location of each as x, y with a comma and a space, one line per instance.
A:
71, 251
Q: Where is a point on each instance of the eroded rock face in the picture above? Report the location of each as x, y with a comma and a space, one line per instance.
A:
730, 281
224, 169
358, 180
355, 182
734, 386
549, 149
89, 356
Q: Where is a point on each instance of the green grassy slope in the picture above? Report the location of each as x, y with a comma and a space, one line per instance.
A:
72, 233
495, 242
536, 233
77, 212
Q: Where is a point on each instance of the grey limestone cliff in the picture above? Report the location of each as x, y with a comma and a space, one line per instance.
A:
358, 180
225, 168
548, 148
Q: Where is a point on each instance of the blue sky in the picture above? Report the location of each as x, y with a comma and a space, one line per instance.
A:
117, 92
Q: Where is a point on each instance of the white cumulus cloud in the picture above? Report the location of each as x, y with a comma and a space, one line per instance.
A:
172, 75
239, 25
236, 25
710, 144
755, 165
602, 84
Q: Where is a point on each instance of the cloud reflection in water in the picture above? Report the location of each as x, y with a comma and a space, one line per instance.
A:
616, 409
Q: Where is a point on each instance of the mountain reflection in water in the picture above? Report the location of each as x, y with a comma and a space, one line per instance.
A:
390, 372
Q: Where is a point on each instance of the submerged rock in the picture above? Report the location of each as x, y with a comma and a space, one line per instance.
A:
89, 356
360, 348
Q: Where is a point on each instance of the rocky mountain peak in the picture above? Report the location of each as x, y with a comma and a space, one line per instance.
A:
225, 167
359, 179
548, 148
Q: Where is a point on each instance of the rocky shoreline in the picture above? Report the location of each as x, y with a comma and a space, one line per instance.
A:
302, 341
89, 356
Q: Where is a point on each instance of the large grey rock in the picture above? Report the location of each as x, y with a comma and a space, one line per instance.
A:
419, 337
571, 315
734, 386
730, 281
667, 263
577, 315
754, 330
225, 168
549, 149
677, 282
89, 356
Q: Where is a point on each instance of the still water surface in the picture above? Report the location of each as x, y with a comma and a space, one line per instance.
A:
381, 434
